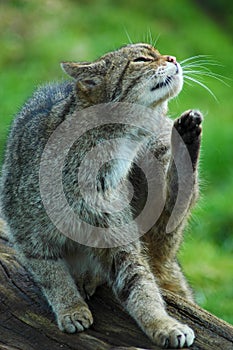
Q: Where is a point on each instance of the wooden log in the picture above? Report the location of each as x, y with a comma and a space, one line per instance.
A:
27, 322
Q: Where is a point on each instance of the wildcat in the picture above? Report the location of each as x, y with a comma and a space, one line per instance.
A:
66, 270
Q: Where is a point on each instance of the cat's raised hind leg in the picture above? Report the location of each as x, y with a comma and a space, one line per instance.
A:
188, 126
163, 240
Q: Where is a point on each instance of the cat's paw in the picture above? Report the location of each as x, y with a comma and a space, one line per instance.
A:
76, 319
189, 126
169, 333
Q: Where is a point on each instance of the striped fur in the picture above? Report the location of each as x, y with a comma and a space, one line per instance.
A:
67, 271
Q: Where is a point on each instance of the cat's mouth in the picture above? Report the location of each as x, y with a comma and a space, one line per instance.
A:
164, 83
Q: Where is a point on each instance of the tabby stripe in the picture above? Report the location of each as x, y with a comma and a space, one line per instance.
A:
119, 83
128, 286
125, 275
131, 85
68, 107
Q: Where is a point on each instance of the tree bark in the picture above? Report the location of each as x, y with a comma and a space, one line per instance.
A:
27, 322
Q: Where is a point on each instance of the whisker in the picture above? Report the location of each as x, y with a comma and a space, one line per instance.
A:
208, 73
194, 57
202, 65
156, 40
188, 83
198, 67
170, 88
150, 37
202, 85
208, 61
204, 71
128, 36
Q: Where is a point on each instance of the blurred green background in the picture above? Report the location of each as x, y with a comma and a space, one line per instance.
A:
36, 35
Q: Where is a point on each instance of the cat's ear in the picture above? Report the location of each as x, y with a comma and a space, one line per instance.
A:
90, 78
84, 70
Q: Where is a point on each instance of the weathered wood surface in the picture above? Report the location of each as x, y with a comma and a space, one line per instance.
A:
27, 323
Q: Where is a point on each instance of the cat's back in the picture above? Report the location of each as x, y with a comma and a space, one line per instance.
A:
39, 107
30, 131
38, 117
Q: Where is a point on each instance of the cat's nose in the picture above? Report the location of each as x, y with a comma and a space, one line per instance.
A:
171, 59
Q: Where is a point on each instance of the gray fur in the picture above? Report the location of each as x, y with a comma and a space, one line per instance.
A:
67, 271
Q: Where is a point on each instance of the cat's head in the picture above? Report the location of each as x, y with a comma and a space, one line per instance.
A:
135, 73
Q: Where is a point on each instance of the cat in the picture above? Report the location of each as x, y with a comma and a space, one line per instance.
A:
68, 271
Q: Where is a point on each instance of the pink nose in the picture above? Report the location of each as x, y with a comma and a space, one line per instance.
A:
171, 59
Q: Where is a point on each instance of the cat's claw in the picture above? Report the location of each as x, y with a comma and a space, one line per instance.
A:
172, 334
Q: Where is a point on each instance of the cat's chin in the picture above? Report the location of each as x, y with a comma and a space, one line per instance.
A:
174, 88
165, 91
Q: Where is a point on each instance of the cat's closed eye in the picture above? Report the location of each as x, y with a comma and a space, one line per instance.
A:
143, 59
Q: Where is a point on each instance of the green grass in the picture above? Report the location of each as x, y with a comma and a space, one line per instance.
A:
208, 269
36, 35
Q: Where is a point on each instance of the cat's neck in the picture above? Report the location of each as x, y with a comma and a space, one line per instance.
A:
161, 109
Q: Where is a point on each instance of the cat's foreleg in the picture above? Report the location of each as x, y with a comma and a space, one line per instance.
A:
72, 313
136, 289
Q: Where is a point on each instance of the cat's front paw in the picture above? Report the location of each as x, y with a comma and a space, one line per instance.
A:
75, 319
169, 333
